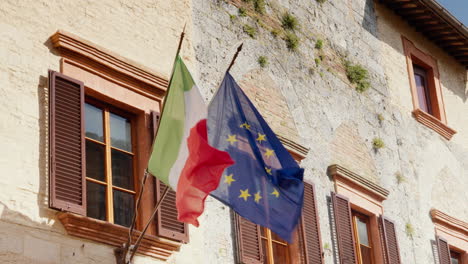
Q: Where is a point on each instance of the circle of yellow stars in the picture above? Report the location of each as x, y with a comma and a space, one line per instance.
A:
229, 179
244, 194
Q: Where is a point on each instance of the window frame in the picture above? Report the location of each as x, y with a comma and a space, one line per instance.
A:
107, 109
113, 79
356, 214
453, 231
437, 120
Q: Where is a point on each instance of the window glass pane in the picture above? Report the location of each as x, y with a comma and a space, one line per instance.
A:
96, 200
280, 253
123, 208
366, 255
122, 169
454, 257
95, 161
362, 232
93, 122
120, 131
421, 89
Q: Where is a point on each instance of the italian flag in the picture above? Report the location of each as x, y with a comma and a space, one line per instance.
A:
181, 156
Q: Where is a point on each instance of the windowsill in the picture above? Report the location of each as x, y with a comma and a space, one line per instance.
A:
116, 235
433, 123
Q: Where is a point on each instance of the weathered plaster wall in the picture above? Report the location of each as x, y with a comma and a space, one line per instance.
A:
332, 119
144, 31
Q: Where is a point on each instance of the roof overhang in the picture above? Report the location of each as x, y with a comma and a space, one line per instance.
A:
436, 23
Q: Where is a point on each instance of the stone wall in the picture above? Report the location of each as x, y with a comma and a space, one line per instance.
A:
336, 122
308, 102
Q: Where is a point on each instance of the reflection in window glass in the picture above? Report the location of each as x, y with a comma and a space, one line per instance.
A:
122, 169
96, 200
95, 161
120, 131
93, 122
123, 208
362, 231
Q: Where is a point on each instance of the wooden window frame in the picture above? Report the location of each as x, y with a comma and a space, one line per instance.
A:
107, 109
436, 121
365, 197
126, 85
269, 242
453, 230
355, 214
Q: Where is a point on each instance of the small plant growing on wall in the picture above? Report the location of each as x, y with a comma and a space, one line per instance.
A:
259, 6
380, 117
251, 31
399, 177
319, 44
357, 75
409, 229
275, 32
289, 22
292, 41
377, 143
321, 1
262, 61
242, 12
317, 61
232, 17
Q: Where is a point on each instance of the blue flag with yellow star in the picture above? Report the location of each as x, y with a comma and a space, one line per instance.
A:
265, 184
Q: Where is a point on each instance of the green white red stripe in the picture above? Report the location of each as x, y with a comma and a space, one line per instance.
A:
181, 156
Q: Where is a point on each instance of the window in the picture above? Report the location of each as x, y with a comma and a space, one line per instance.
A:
110, 188
428, 103
258, 245
274, 248
103, 113
363, 234
451, 239
420, 77
455, 257
361, 227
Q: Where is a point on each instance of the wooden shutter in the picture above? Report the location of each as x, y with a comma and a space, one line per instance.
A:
310, 228
249, 246
167, 225
443, 250
67, 169
344, 231
390, 242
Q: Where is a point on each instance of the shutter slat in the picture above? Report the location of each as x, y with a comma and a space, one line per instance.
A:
344, 231
391, 250
67, 188
248, 246
310, 227
443, 250
167, 225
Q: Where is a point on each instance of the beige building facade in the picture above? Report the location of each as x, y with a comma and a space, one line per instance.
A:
398, 148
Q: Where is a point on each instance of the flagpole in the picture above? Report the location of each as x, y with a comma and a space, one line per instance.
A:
235, 57
129, 240
156, 208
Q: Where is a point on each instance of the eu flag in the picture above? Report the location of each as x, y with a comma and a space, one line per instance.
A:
265, 184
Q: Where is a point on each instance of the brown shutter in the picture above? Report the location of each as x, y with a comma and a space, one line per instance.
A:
67, 170
392, 252
248, 242
310, 227
167, 224
443, 250
344, 231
